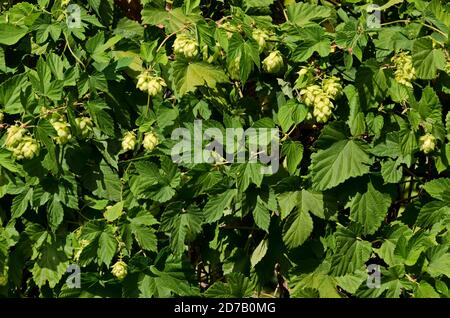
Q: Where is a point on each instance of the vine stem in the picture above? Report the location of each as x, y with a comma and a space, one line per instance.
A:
168, 37
286, 136
73, 54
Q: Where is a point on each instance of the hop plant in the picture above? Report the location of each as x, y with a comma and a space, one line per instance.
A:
322, 108
14, 135
273, 63
260, 37
2, 117
331, 86
27, 148
128, 141
151, 84
85, 125
120, 269
234, 68
310, 93
150, 141
230, 28
185, 45
63, 130
405, 72
427, 143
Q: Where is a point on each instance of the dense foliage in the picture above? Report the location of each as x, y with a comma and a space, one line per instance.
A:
90, 95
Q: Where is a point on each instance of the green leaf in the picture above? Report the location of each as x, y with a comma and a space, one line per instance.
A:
425, 290
261, 215
352, 252
432, 213
369, 208
313, 39
439, 261
216, 205
113, 213
107, 246
247, 173
51, 265
247, 52
297, 229
145, 236
11, 33
183, 224
187, 76
439, 189
237, 286
426, 59
356, 120
291, 113
391, 171
302, 14
55, 213
343, 160
293, 150
8, 163
10, 93
20, 203
408, 250
100, 116
259, 252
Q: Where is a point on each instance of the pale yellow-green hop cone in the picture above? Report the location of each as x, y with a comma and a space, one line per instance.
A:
309, 94
120, 270
63, 131
331, 86
427, 143
14, 135
185, 45
128, 141
84, 125
30, 148
155, 85
260, 37
405, 72
273, 63
150, 141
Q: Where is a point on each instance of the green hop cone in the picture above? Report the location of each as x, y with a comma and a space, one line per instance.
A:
150, 141
260, 37
85, 125
63, 131
120, 270
331, 86
153, 85
273, 63
14, 135
27, 148
186, 46
2, 117
128, 141
427, 143
404, 72
309, 94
